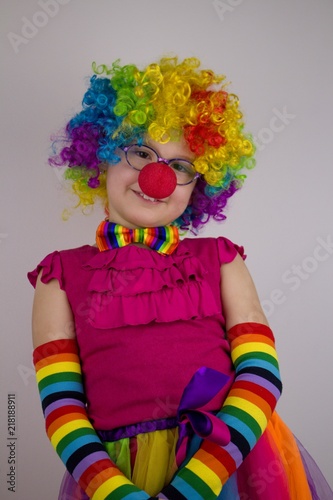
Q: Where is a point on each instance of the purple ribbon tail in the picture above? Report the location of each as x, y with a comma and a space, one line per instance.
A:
205, 384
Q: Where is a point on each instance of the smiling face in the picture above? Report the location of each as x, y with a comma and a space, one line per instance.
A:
127, 205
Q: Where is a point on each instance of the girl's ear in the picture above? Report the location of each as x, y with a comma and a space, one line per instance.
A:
106, 211
103, 167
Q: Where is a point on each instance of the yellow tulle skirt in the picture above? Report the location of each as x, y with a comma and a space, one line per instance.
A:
154, 462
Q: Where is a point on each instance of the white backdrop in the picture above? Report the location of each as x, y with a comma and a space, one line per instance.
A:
278, 55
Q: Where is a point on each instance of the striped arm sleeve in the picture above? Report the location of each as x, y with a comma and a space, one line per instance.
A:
246, 411
59, 378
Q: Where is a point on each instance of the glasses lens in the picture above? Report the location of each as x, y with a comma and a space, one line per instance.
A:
184, 171
139, 156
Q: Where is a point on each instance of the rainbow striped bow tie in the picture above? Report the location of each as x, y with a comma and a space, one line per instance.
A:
163, 239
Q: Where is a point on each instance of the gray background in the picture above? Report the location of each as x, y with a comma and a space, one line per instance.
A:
278, 56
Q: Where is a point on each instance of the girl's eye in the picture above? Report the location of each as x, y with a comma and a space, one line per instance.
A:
180, 167
142, 154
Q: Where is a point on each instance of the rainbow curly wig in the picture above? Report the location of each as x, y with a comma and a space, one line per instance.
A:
164, 101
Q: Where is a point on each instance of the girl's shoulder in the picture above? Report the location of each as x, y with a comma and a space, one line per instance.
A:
53, 265
213, 247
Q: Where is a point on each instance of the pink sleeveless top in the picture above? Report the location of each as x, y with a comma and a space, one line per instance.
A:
145, 323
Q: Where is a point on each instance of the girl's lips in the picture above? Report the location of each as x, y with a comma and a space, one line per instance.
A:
147, 198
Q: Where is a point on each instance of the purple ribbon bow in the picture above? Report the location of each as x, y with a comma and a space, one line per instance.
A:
203, 386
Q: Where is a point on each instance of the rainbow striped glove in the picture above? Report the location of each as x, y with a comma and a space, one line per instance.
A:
246, 412
60, 385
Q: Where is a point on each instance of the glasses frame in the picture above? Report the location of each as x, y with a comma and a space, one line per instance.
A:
160, 159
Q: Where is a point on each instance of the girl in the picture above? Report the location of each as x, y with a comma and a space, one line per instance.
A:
155, 363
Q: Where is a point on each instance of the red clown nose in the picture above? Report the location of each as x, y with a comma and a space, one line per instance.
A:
157, 180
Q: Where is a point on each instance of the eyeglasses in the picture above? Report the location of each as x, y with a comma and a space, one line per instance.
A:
139, 156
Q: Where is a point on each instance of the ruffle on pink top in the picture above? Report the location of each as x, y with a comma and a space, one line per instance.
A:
135, 286
52, 268
143, 286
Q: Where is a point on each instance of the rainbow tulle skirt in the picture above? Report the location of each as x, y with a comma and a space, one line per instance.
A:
278, 467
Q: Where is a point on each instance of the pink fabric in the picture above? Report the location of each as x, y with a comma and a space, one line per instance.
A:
145, 323
263, 474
